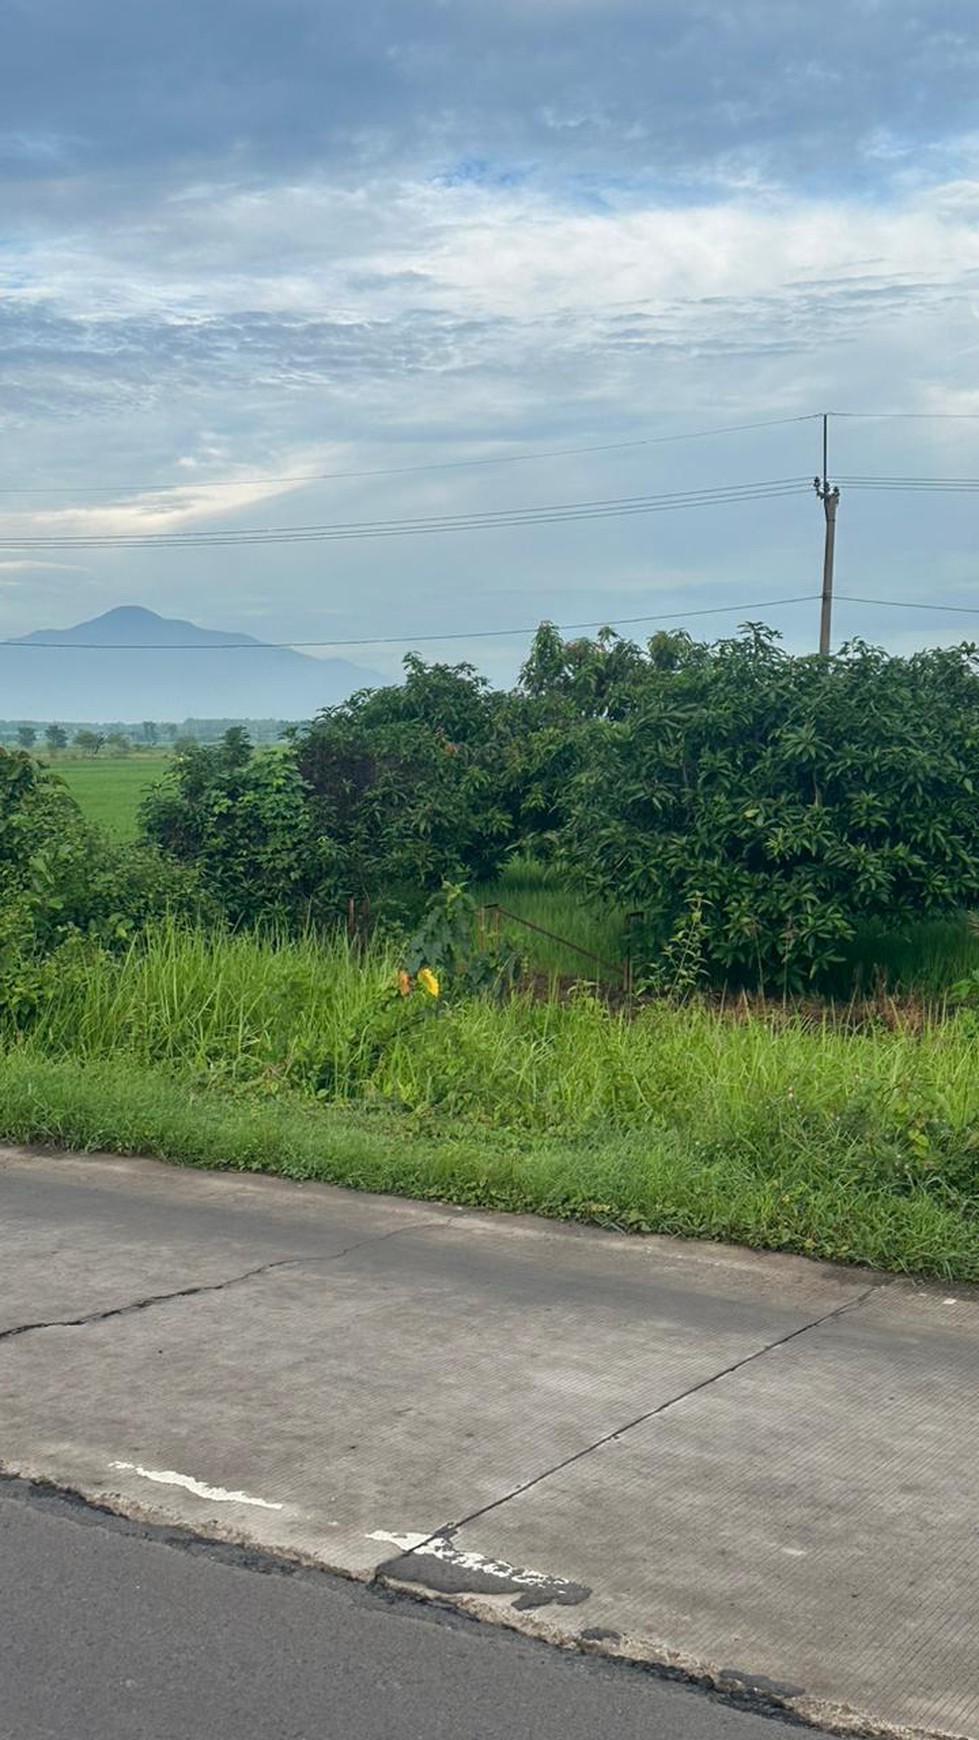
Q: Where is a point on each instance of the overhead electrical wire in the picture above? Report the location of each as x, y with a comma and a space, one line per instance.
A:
966, 485
406, 470
551, 514
907, 416
394, 639
909, 604
572, 512
190, 483
473, 634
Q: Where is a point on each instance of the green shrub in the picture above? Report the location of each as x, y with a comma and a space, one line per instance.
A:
404, 784
66, 891
243, 819
766, 807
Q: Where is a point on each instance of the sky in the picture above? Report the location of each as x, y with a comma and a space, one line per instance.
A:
245, 244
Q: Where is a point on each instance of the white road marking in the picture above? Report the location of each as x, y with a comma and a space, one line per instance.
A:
168, 1477
438, 1547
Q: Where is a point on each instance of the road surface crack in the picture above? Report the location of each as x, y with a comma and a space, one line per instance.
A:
618, 1432
144, 1304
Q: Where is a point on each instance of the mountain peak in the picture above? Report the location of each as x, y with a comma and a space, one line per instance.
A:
135, 624
176, 671
129, 613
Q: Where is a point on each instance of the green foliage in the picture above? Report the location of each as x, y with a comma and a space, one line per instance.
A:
65, 890
448, 942
403, 784
244, 820
787, 801
26, 736
595, 677
291, 1055
56, 737
89, 742
762, 814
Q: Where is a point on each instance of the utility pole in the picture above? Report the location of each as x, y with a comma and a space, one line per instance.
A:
830, 499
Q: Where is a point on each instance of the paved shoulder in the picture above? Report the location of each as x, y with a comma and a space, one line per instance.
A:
756, 1468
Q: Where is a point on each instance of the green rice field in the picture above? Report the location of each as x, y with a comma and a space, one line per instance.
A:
109, 791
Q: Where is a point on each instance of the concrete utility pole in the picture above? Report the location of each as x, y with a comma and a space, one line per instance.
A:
830, 499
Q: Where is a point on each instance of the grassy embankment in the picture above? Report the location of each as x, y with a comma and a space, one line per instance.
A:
861, 1146
291, 1058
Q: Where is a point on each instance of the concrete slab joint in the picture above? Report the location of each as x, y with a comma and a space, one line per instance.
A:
748, 1470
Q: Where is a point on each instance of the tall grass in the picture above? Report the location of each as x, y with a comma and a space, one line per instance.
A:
267, 1011
297, 1057
532, 890
926, 958
242, 1008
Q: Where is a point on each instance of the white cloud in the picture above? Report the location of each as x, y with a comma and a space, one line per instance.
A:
229, 317
41, 567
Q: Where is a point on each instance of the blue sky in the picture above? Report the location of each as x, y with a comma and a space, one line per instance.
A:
259, 240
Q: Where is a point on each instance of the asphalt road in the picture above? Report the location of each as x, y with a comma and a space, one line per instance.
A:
113, 1632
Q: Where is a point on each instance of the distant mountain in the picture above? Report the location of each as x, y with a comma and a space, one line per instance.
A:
132, 664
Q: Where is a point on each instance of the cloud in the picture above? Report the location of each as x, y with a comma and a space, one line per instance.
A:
673, 83
413, 296
24, 567
335, 239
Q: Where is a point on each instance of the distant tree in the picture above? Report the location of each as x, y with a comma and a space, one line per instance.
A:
151, 732
236, 747
118, 743
56, 737
26, 736
89, 742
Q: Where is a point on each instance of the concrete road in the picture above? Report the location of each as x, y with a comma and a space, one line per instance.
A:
111, 1634
759, 1470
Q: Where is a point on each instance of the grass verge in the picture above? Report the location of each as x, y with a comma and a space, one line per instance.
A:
818, 1197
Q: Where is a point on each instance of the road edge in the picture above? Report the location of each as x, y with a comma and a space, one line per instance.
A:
653, 1655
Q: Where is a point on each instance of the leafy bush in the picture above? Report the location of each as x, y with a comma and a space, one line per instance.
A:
447, 944
244, 820
769, 805
404, 789
65, 889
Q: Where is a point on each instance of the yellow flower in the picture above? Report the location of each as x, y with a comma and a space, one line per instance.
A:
404, 983
428, 981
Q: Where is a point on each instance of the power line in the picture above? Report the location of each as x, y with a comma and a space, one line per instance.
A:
392, 639
908, 416
473, 634
191, 483
966, 485
403, 470
552, 514
909, 604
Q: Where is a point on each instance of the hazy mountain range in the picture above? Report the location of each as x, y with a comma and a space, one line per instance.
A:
132, 664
